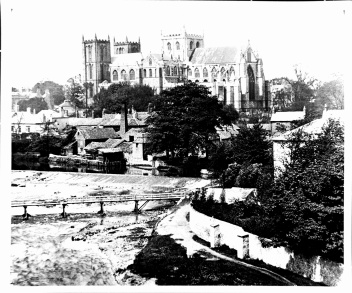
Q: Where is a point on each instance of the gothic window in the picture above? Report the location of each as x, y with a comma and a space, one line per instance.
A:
105, 52
114, 75
191, 45
175, 71
223, 72
145, 72
150, 61
117, 50
232, 70
132, 74
205, 72
177, 46
249, 56
120, 50
251, 82
102, 71
90, 92
197, 45
123, 75
213, 72
169, 46
89, 53
171, 71
90, 71
150, 73
167, 71
189, 72
101, 52
196, 73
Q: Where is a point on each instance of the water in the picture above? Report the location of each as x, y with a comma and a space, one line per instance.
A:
43, 251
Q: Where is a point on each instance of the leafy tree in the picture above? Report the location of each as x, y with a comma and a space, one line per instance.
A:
75, 93
232, 113
331, 94
56, 91
184, 118
307, 198
138, 96
36, 104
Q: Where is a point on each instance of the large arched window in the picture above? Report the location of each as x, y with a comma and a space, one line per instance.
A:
123, 75
169, 46
89, 53
150, 73
91, 71
167, 71
177, 46
132, 75
205, 72
150, 61
196, 72
197, 45
251, 82
213, 72
175, 70
172, 71
232, 71
191, 45
101, 53
115, 75
189, 72
145, 73
223, 72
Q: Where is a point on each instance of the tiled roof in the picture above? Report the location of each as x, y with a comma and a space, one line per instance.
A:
287, 116
113, 142
94, 145
98, 133
84, 121
215, 55
126, 147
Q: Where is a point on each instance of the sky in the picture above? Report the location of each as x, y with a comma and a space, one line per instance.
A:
42, 40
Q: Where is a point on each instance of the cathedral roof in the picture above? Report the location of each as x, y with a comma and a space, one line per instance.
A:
126, 59
216, 55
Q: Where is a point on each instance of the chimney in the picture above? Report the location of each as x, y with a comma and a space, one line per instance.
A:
34, 111
93, 114
123, 123
28, 110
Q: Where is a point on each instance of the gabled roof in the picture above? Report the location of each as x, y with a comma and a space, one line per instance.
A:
98, 133
94, 145
217, 55
113, 142
287, 116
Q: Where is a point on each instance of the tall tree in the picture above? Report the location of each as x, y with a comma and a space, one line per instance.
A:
56, 91
36, 104
184, 118
331, 93
75, 93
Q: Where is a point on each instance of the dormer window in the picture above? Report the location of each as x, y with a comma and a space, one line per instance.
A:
131, 138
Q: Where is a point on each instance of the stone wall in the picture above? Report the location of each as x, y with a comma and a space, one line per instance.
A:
249, 245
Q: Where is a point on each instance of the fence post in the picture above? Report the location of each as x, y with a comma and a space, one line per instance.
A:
243, 249
214, 235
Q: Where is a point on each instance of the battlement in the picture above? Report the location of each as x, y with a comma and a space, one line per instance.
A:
125, 43
97, 40
171, 35
194, 36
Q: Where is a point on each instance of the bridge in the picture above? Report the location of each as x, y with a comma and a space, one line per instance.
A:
101, 199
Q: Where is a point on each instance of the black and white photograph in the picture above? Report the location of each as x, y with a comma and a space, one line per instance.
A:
167, 145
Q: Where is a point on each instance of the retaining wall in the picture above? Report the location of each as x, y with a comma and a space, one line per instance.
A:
248, 245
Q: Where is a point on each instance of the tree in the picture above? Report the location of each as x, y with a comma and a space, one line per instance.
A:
331, 94
184, 118
138, 96
75, 93
307, 198
56, 91
36, 104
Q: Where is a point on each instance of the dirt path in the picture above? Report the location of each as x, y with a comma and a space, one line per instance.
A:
177, 227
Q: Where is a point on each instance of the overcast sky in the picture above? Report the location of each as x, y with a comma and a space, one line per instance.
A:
43, 39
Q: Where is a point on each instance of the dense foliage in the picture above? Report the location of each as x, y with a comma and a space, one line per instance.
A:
36, 104
56, 91
75, 93
183, 120
111, 99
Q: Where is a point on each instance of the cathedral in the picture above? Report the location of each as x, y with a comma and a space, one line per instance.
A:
234, 75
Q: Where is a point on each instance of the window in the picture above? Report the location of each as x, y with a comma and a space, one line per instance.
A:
19, 129
175, 71
196, 73
205, 72
91, 71
117, 50
150, 73
114, 75
101, 53
189, 72
28, 129
197, 45
169, 46
167, 71
132, 74
131, 138
177, 46
123, 75
191, 45
89, 53
213, 72
172, 71
145, 73
232, 71
249, 54
150, 62
13, 128
251, 89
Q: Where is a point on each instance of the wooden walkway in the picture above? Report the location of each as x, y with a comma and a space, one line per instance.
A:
174, 196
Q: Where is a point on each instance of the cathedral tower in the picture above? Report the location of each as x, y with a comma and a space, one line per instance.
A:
96, 61
127, 47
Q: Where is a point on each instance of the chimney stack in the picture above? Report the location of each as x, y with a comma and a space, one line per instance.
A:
123, 123
34, 111
93, 114
28, 110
